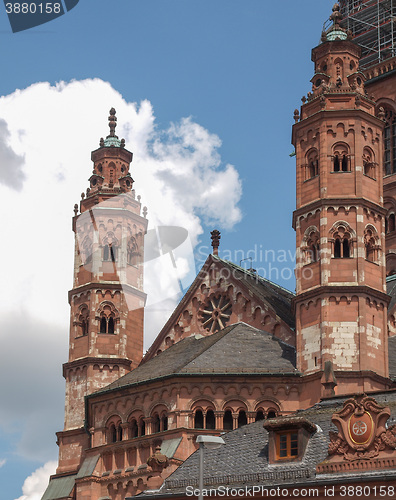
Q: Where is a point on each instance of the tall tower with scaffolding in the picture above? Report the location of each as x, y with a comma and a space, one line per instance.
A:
373, 26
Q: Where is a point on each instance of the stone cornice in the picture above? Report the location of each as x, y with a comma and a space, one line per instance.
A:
328, 202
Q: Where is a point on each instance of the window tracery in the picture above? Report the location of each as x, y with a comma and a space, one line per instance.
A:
371, 243
342, 240
107, 316
216, 312
110, 247
311, 245
340, 158
312, 164
390, 142
368, 163
133, 251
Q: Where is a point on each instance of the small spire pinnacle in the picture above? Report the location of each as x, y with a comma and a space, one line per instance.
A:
112, 123
215, 235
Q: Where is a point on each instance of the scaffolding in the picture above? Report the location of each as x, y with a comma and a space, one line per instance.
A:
373, 26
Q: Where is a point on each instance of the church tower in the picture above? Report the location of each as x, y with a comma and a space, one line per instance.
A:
341, 301
107, 299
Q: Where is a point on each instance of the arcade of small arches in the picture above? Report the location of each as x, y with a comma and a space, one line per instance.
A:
342, 239
340, 161
199, 418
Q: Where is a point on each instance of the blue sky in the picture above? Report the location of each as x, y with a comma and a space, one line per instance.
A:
237, 68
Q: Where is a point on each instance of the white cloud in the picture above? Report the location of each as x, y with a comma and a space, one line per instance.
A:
47, 133
2, 462
35, 485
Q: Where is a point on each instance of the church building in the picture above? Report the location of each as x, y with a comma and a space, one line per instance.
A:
301, 386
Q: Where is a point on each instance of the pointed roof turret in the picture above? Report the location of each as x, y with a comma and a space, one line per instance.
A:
112, 139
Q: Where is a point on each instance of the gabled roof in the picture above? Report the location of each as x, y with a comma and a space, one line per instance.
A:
277, 297
238, 349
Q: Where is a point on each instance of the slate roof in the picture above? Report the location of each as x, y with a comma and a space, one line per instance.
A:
243, 460
237, 349
278, 297
391, 291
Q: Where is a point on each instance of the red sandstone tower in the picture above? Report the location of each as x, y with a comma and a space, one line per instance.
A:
107, 299
341, 302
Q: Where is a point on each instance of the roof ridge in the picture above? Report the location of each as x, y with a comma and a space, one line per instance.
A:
254, 275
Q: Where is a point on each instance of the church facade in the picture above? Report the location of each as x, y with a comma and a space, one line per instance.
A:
240, 352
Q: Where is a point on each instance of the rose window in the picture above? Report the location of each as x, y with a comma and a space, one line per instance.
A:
216, 313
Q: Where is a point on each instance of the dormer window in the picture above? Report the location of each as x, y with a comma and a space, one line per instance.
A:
287, 445
288, 438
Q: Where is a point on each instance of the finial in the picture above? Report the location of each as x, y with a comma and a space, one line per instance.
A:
215, 235
303, 99
296, 115
144, 212
122, 145
336, 16
112, 123
101, 142
75, 209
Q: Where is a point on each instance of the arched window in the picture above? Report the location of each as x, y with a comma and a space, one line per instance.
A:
142, 427
310, 245
106, 253
345, 248
391, 223
156, 423
164, 423
113, 433
103, 325
312, 164
210, 420
110, 244
259, 415
133, 251
113, 253
198, 420
340, 158
271, 414
227, 421
242, 419
368, 162
371, 242
107, 316
342, 241
134, 429
83, 320
337, 248
390, 142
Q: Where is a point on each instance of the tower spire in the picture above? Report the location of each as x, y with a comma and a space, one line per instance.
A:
112, 123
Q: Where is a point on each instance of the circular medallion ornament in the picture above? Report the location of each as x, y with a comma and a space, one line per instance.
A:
360, 428
216, 313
